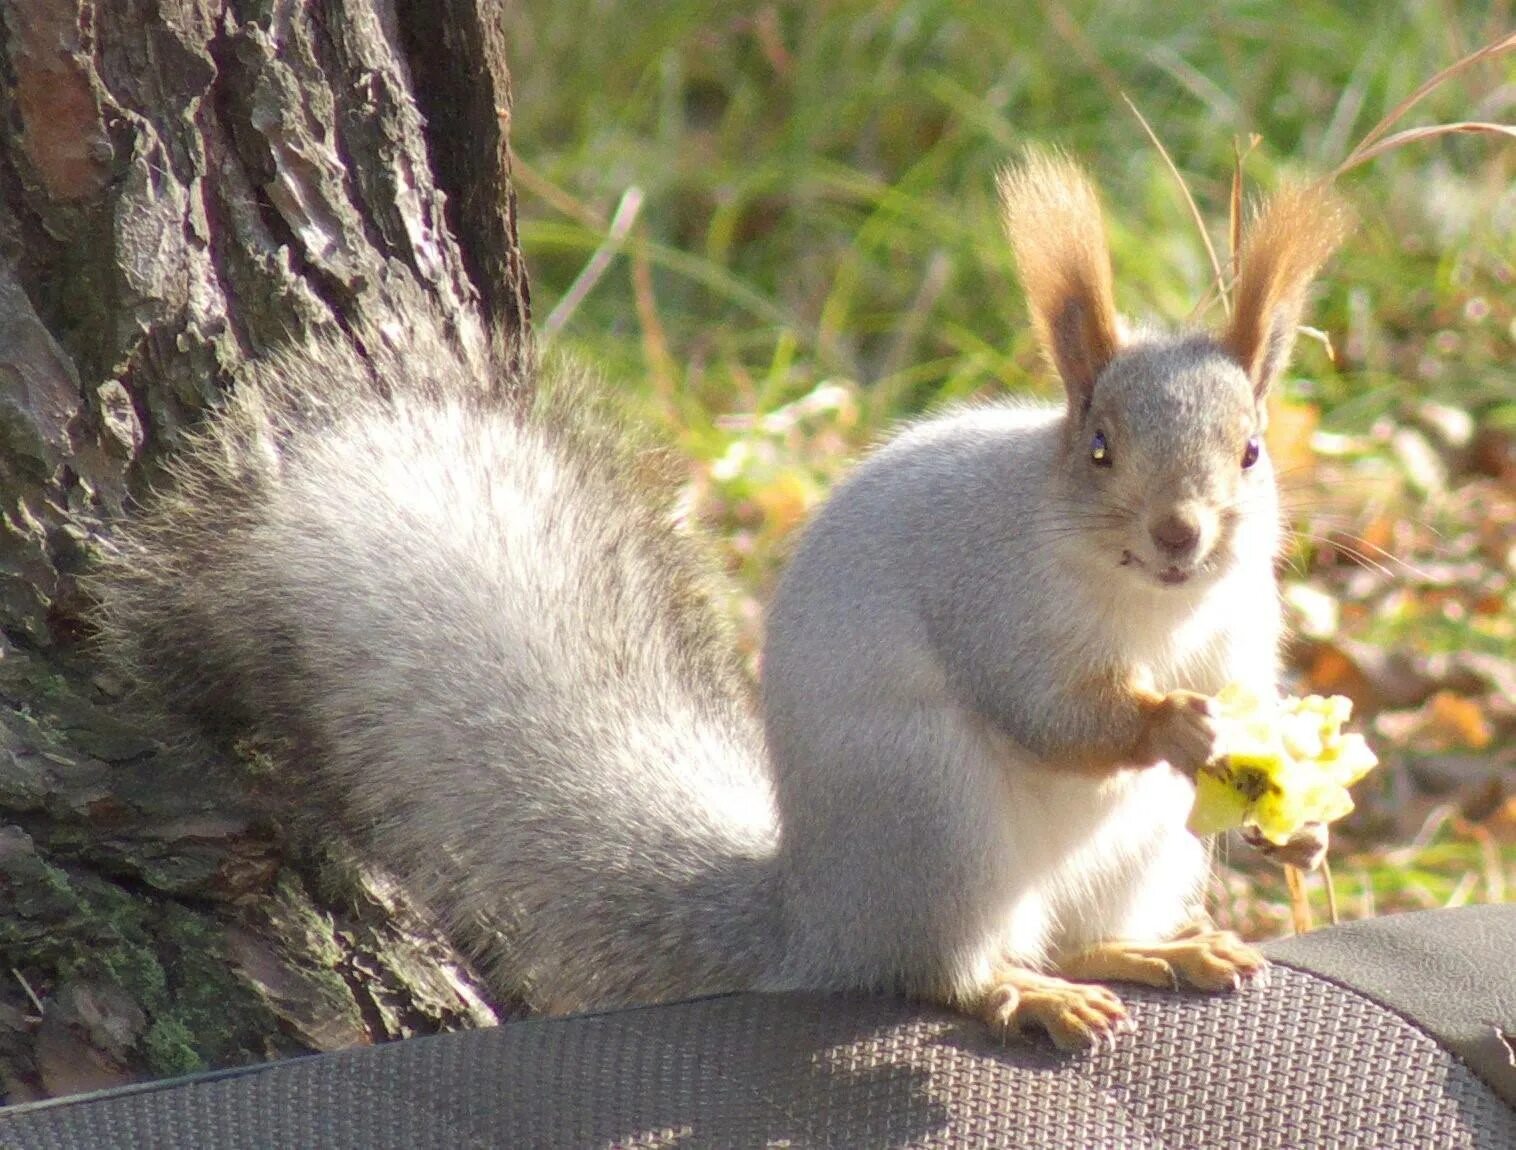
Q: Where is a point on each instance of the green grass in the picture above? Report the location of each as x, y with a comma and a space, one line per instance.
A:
818, 249
819, 204
805, 198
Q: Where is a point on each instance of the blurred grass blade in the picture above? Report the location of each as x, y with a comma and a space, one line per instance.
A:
1331, 891
1234, 208
1495, 48
1234, 212
530, 180
662, 369
1321, 337
721, 283
1184, 189
1412, 135
584, 283
1300, 901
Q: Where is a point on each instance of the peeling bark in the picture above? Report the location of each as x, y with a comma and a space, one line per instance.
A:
186, 185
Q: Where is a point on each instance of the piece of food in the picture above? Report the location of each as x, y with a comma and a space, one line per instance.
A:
1287, 763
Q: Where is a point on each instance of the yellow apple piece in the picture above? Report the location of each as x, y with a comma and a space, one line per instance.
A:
1287, 762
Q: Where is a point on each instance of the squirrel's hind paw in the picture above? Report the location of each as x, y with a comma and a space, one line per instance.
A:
1206, 960
1306, 849
1076, 1016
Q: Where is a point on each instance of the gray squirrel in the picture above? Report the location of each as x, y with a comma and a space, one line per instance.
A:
464, 611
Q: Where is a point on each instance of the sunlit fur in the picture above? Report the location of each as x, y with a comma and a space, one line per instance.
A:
961, 619
1173, 412
1052, 216
470, 627
1290, 237
916, 707
466, 623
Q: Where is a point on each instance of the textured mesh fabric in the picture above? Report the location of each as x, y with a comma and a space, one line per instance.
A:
1299, 1063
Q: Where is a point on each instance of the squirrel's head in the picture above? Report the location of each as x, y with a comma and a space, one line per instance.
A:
1163, 457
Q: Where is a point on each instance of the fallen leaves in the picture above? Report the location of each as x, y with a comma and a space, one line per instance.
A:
1402, 596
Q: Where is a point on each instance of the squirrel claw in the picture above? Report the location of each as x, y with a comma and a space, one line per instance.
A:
1076, 1016
1206, 960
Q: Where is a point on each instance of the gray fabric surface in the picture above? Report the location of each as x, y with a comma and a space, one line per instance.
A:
1449, 972
1299, 1063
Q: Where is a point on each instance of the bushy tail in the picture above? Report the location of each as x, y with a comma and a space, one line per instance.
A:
465, 614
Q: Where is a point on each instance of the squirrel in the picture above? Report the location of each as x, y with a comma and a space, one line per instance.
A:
465, 615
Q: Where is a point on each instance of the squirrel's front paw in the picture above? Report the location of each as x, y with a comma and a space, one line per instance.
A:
1182, 730
1076, 1016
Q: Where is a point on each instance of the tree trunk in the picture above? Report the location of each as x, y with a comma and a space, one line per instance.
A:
185, 185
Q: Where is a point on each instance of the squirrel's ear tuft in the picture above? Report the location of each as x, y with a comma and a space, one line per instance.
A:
1052, 215
1284, 246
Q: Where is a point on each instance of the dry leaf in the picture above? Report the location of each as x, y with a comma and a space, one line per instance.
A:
1291, 428
785, 501
1458, 720
1374, 679
1502, 823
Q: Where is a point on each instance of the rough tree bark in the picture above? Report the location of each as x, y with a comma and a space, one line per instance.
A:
185, 185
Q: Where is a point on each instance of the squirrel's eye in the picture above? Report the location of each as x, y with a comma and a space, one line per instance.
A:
1100, 454
1250, 452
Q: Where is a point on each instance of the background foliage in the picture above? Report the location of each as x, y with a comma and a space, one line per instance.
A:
775, 225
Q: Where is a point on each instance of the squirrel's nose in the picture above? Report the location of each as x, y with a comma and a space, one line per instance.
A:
1176, 536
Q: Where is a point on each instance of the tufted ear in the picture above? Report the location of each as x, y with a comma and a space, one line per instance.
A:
1284, 246
1052, 216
